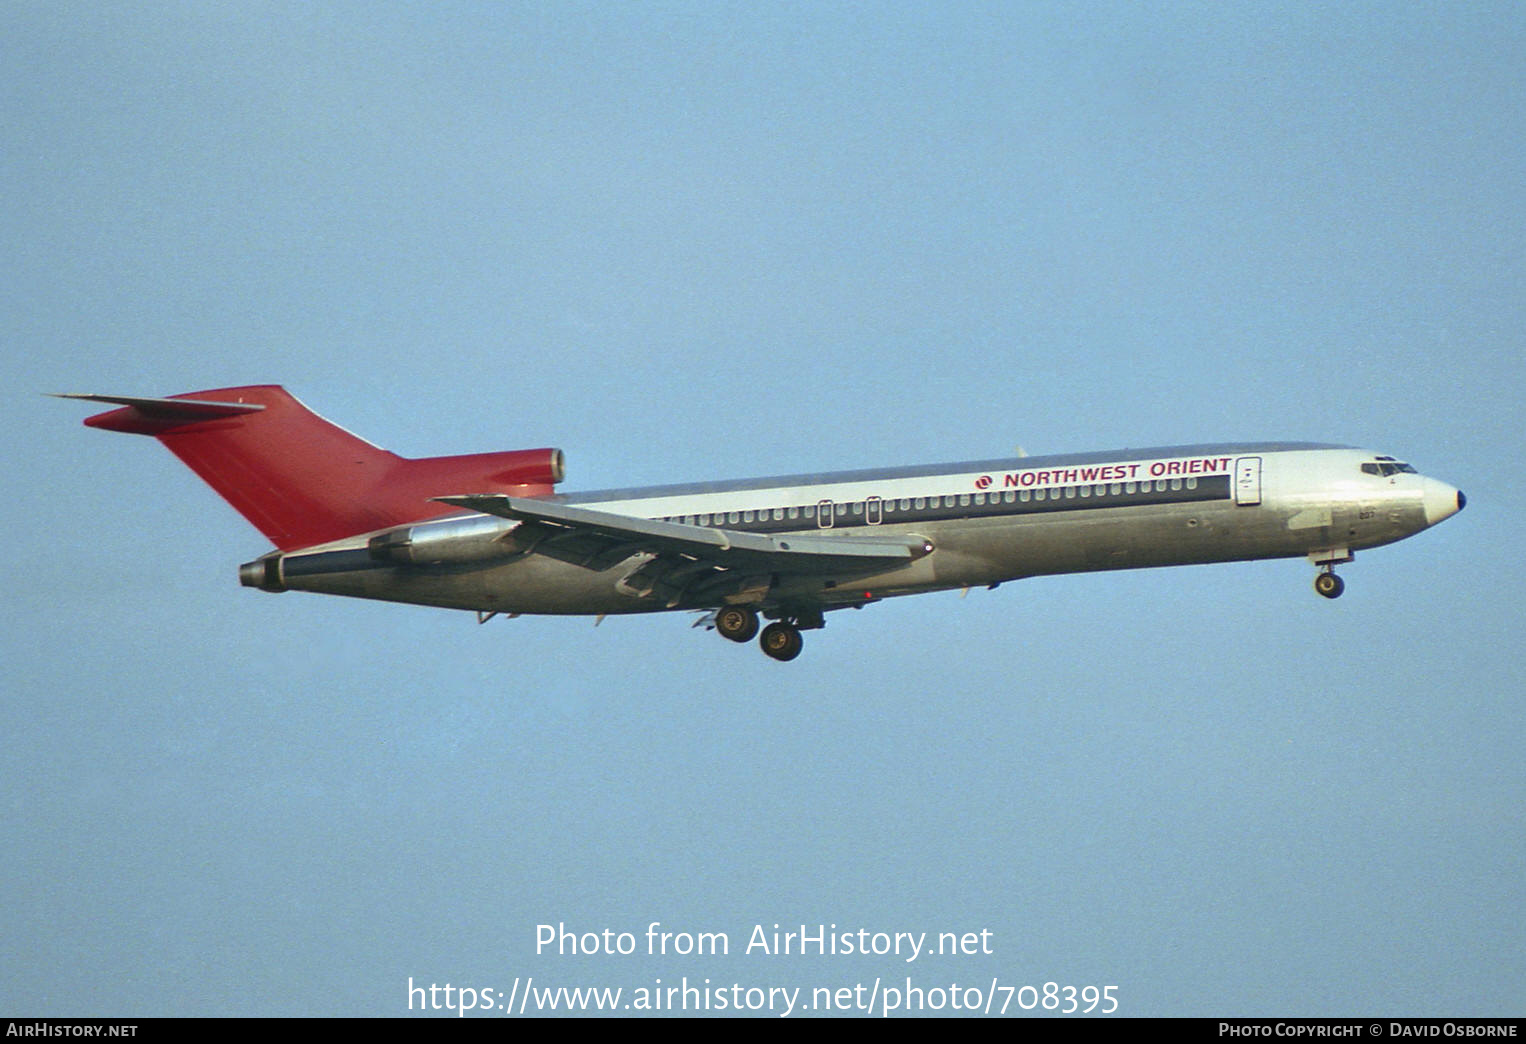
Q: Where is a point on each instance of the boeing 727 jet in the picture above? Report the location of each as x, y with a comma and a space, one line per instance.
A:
488, 532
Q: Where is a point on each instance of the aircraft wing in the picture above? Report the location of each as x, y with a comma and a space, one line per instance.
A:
684, 562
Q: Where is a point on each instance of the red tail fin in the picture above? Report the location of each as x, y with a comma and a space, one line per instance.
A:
301, 480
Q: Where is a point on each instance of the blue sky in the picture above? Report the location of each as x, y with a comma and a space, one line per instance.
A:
700, 241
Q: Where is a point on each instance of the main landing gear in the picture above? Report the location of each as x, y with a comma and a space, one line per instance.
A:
780, 639
736, 623
1328, 584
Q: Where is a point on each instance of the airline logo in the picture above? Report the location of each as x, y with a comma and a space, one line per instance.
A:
1133, 471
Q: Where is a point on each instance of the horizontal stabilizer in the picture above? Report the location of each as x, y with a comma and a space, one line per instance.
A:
150, 416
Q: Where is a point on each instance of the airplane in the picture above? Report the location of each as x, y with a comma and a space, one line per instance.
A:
488, 532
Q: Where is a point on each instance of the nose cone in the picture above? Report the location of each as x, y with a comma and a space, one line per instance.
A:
1441, 501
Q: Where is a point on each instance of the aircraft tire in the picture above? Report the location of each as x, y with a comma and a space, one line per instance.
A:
736, 623
1329, 585
782, 641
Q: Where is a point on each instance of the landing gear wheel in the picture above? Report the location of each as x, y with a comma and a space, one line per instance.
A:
1329, 585
782, 641
736, 623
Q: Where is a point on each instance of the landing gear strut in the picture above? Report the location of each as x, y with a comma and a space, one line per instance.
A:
1328, 584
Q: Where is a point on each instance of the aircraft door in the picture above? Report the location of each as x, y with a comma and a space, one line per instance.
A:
824, 514
1248, 481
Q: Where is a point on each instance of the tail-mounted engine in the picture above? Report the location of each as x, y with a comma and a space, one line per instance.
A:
449, 542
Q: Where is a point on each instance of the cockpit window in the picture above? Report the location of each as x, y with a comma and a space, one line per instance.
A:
1386, 466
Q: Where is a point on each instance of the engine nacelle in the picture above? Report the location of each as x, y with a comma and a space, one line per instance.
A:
264, 572
481, 472
457, 540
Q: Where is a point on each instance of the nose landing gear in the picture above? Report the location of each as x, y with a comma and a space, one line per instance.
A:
1328, 584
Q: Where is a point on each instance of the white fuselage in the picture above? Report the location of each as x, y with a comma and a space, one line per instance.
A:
987, 522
